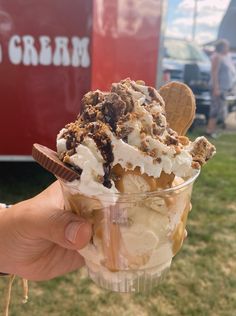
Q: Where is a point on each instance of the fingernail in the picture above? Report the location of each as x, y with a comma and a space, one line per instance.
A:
72, 230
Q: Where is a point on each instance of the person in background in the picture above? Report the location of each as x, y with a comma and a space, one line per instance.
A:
222, 79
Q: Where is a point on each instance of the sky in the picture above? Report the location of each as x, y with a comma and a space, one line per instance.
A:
209, 15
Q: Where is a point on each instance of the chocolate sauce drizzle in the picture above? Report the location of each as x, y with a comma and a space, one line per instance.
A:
110, 110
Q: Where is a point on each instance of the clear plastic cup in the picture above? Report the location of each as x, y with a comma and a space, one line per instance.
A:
135, 236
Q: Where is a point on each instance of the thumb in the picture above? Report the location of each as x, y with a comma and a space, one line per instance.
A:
56, 225
67, 230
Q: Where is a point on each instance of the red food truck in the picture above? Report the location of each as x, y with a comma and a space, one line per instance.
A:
53, 52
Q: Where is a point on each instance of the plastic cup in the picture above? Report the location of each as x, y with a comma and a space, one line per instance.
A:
135, 236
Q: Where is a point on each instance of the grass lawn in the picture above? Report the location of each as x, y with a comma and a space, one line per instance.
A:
202, 280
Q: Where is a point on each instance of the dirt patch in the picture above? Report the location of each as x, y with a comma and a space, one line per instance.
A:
232, 206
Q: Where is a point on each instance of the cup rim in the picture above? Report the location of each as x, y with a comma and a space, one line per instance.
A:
159, 192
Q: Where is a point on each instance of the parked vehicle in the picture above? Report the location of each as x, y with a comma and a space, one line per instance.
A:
185, 61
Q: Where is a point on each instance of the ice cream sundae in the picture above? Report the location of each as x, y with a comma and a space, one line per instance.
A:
133, 180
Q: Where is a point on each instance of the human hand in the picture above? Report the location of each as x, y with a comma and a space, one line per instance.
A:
39, 239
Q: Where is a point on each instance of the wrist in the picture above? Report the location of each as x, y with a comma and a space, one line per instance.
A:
2, 205
9, 235
3, 228
12, 232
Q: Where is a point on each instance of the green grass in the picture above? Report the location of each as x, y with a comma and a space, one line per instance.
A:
202, 280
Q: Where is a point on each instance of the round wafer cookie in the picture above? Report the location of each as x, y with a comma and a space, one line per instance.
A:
180, 106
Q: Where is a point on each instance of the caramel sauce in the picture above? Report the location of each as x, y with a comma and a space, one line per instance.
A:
164, 181
178, 234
